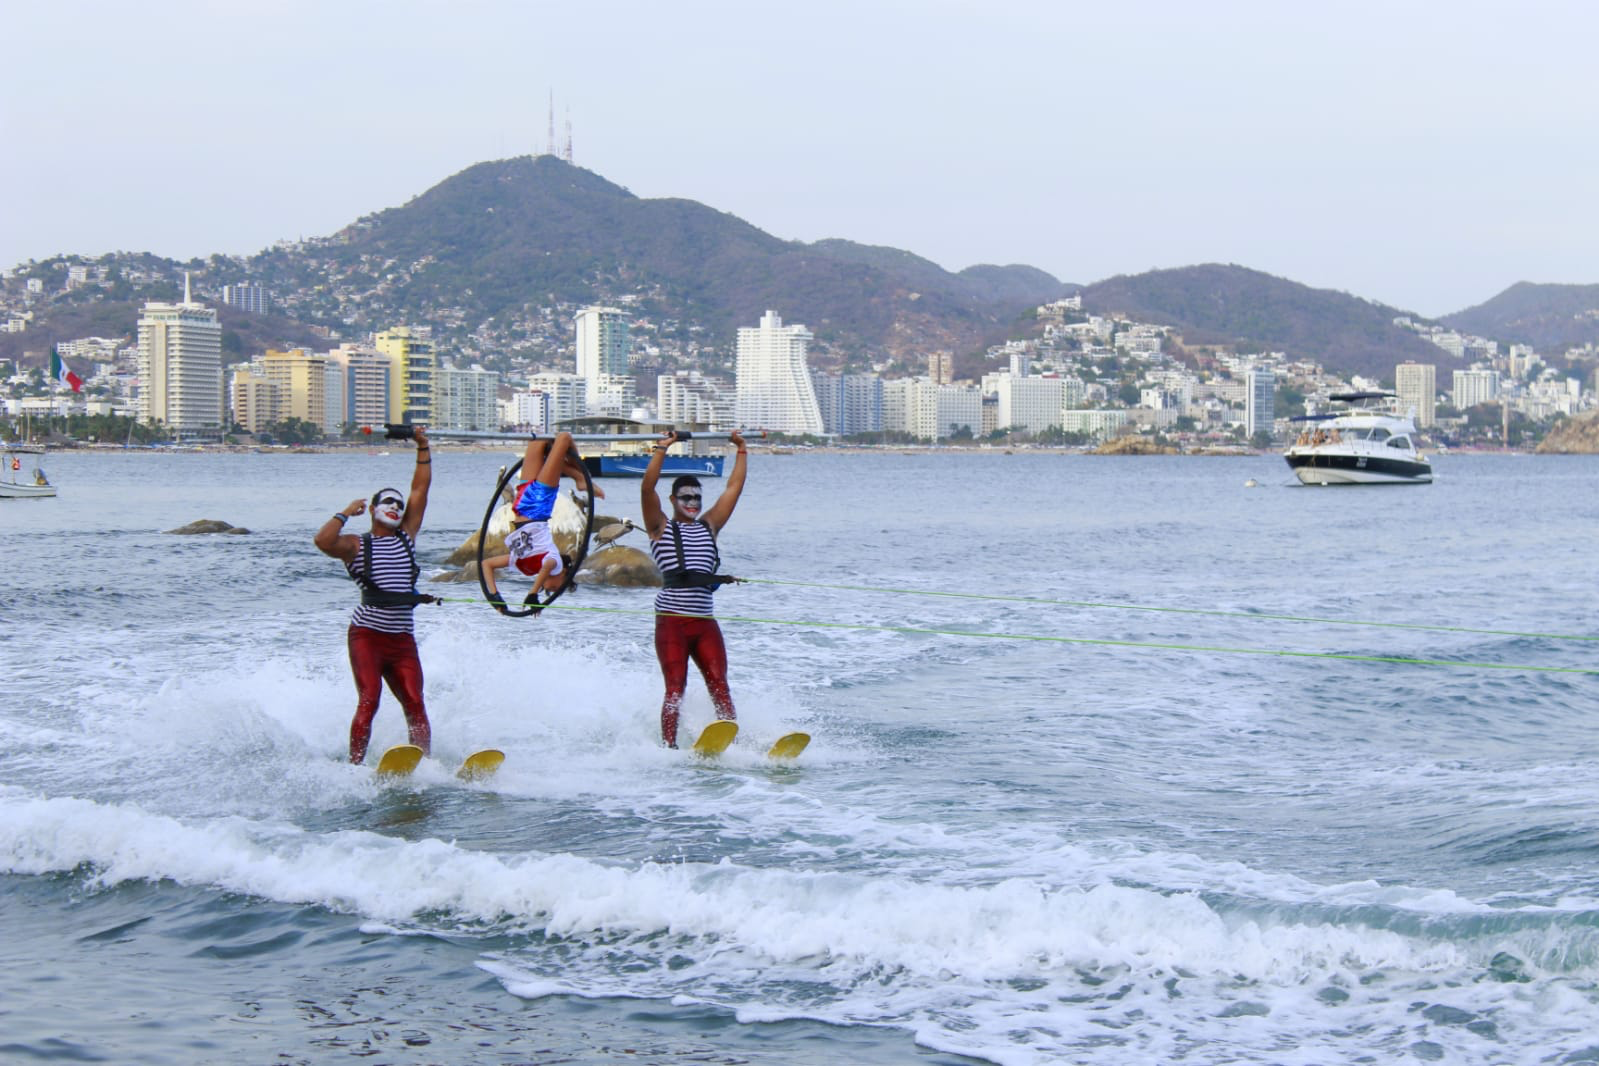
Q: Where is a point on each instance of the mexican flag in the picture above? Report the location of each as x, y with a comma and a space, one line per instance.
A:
59, 371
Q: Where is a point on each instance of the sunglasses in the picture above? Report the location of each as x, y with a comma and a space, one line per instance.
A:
688, 497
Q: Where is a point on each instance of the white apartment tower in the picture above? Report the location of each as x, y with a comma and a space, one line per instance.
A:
1260, 388
248, 296
466, 399
1475, 386
602, 342
1417, 386
774, 384
602, 347
688, 397
180, 365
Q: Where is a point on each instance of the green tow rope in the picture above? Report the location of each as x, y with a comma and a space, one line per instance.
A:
1041, 638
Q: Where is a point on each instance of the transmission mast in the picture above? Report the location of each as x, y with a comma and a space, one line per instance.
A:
567, 155
550, 143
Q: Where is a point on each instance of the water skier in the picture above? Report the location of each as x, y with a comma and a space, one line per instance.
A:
530, 547
383, 562
684, 549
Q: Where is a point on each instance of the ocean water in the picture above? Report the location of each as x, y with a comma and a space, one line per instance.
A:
1185, 812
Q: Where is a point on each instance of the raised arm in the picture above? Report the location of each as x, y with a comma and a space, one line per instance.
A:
331, 539
649, 502
421, 481
722, 509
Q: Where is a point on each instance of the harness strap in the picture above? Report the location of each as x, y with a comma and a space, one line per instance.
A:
684, 578
371, 595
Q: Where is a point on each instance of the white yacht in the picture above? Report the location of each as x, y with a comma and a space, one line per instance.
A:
1367, 442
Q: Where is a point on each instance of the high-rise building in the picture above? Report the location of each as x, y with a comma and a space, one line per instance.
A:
180, 367
1475, 386
368, 376
862, 404
301, 380
774, 383
567, 393
335, 388
930, 412
1417, 386
602, 341
1260, 389
829, 390
466, 399
411, 380
528, 411
850, 403
249, 296
255, 400
941, 367
602, 350
1027, 404
688, 397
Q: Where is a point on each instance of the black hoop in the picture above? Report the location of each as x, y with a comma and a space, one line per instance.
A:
578, 556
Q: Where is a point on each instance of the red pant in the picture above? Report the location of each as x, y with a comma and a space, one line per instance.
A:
375, 658
678, 639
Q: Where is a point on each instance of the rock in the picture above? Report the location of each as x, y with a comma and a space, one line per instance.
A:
620, 566
1132, 444
466, 573
1573, 436
207, 525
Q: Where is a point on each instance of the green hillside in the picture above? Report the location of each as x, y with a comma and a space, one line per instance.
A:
1551, 318
1225, 304
502, 239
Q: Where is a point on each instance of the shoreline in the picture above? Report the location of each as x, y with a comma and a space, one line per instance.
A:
779, 451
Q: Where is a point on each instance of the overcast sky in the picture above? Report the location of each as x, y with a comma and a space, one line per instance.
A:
1425, 155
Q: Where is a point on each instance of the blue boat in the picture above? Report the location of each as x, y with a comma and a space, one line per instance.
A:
633, 465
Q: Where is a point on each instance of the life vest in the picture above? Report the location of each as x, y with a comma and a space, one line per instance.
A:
681, 577
371, 595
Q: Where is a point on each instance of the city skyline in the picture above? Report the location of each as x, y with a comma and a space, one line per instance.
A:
1424, 160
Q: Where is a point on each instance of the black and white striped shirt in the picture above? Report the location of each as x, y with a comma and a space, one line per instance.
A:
699, 554
391, 572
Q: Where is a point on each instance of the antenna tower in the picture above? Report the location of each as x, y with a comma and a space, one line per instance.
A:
567, 155
550, 143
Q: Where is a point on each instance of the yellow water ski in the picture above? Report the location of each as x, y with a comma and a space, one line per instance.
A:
480, 764
789, 745
399, 760
716, 737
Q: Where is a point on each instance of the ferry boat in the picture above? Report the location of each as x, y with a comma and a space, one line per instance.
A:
1368, 442
19, 480
627, 452
633, 464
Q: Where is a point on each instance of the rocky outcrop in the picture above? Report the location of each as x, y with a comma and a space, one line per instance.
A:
1134, 445
621, 566
608, 563
1574, 436
207, 525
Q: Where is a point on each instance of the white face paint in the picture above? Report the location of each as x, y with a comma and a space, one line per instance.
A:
688, 500
389, 510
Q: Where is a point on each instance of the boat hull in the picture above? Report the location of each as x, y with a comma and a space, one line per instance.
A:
10, 491
634, 465
1323, 468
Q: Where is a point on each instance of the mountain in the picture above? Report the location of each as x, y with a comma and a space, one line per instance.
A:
500, 241
497, 257
1551, 318
1225, 304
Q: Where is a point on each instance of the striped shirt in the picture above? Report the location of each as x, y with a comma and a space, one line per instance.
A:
699, 553
391, 572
